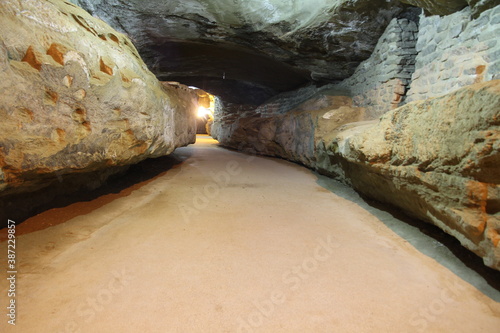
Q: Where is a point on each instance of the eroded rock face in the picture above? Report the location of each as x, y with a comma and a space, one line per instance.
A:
446, 7
77, 98
267, 46
437, 159
440, 7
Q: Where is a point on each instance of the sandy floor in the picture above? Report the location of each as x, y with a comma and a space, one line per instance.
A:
226, 242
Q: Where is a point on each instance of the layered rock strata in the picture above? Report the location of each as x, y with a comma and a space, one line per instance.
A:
436, 159
250, 47
76, 98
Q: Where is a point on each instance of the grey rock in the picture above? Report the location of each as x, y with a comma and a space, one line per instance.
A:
269, 46
479, 6
438, 7
436, 159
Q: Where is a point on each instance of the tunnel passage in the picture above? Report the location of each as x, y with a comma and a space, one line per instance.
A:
392, 106
235, 228
235, 74
396, 101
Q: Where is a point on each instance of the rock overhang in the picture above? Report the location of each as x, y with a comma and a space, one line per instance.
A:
272, 46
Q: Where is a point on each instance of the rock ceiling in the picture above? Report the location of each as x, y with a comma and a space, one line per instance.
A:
248, 50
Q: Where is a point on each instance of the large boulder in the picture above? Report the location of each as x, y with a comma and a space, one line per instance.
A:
436, 159
77, 98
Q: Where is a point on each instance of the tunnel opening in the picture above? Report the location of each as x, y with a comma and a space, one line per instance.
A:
205, 112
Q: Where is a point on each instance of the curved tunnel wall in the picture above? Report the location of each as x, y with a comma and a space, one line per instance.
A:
85, 103
416, 126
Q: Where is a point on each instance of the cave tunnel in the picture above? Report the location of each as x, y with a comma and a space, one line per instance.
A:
250, 166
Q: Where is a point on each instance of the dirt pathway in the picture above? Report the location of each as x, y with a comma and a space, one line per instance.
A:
226, 242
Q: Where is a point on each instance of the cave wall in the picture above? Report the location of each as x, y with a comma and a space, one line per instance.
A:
436, 157
380, 83
455, 51
79, 104
76, 99
228, 47
447, 7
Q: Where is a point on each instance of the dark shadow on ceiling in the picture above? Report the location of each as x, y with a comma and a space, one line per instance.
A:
224, 70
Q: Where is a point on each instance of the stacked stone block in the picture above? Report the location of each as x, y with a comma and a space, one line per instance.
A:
455, 51
380, 83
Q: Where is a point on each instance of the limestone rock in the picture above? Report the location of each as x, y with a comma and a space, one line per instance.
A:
252, 46
447, 7
436, 159
440, 7
77, 98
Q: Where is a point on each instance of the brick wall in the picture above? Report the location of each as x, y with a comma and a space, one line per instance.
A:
455, 51
380, 83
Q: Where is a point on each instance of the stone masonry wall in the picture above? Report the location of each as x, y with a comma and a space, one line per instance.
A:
286, 101
380, 83
455, 51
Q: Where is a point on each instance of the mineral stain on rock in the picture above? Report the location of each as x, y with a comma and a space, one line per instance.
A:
64, 106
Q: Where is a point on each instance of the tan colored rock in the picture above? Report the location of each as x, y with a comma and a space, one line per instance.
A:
438, 160
77, 98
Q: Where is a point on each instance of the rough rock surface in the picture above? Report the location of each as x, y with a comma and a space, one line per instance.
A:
238, 46
455, 51
436, 159
77, 98
380, 83
439, 7
446, 7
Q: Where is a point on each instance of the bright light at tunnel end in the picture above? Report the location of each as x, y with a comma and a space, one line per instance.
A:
202, 112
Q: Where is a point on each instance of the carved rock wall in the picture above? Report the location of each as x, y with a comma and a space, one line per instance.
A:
77, 98
436, 159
